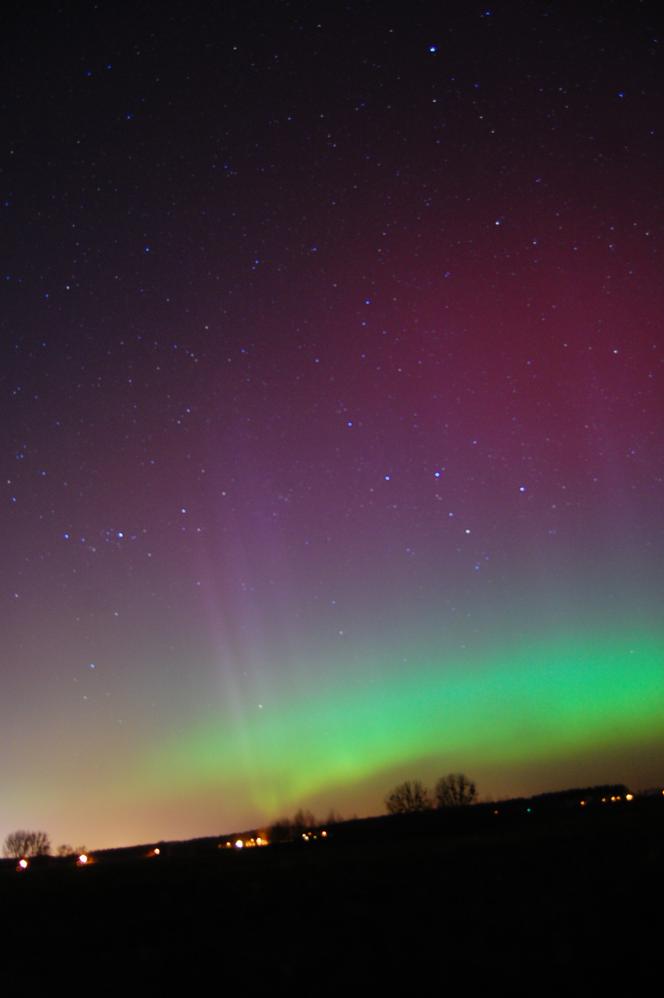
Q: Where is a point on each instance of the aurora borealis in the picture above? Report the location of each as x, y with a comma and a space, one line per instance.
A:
332, 436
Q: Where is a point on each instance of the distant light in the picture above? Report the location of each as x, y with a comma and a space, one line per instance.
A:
496, 812
433, 49
82, 859
156, 851
305, 836
582, 803
23, 864
522, 488
629, 796
259, 841
239, 844
323, 834
529, 810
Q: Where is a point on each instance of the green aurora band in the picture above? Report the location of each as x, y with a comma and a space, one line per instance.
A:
543, 701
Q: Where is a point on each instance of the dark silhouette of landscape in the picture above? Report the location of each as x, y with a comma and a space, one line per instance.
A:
507, 889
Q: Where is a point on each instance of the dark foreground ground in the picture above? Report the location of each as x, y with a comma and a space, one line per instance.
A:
534, 896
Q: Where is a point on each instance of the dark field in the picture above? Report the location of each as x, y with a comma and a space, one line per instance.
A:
386, 901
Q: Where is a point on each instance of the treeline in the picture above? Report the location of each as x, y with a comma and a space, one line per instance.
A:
453, 790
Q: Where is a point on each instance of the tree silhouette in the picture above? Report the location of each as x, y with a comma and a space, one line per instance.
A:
288, 829
455, 790
303, 820
408, 797
21, 844
67, 850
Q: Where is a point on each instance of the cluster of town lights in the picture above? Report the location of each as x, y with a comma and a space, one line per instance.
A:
613, 798
251, 843
261, 840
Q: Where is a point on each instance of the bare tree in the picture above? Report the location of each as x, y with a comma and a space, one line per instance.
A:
455, 790
288, 829
67, 850
408, 797
21, 844
303, 820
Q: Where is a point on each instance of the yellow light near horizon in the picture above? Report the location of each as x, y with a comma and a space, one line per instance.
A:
156, 852
323, 834
82, 859
23, 864
629, 796
239, 844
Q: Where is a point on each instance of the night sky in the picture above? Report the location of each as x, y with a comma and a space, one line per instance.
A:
332, 413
